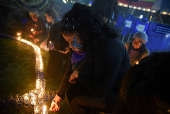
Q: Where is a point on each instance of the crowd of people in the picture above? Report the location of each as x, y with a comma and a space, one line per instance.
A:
103, 74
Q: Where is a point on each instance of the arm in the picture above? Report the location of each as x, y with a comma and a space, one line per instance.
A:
65, 83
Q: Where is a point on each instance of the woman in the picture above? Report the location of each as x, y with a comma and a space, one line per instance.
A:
56, 55
51, 18
97, 62
34, 29
137, 49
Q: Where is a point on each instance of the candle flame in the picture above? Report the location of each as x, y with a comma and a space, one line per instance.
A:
137, 62
18, 33
32, 29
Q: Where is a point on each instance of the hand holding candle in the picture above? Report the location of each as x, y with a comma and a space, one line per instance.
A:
18, 34
51, 45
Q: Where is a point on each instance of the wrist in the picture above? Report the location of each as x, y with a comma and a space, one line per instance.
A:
57, 99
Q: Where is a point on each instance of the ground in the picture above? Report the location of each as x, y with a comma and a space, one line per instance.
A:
17, 75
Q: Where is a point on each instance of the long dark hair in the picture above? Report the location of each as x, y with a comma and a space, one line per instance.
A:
145, 87
90, 27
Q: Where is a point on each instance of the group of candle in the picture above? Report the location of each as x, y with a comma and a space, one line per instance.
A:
36, 97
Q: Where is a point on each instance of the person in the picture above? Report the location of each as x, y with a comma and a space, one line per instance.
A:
98, 60
137, 49
34, 29
157, 17
144, 87
59, 49
51, 18
106, 9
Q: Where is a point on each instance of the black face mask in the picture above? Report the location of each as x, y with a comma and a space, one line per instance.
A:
75, 44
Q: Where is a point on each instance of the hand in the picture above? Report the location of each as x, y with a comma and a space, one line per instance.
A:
51, 46
66, 50
44, 43
36, 40
31, 36
55, 106
74, 76
34, 32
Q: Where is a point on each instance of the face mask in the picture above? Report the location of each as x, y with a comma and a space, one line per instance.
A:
75, 44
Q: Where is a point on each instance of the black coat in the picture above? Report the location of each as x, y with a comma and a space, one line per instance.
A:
101, 71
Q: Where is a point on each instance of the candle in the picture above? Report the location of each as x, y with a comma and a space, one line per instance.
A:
41, 95
137, 62
36, 91
38, 84
31, 93
45, 110
33, 103
36, 109
19, 37
18, 33
26, 99
19, 101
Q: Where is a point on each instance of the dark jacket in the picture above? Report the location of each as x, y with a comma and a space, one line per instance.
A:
101, 71
143, 52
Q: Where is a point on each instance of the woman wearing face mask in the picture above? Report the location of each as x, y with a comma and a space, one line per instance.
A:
137, 49
98, 60
34, 29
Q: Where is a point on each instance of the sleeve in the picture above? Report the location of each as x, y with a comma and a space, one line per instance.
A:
106, 65
65, 83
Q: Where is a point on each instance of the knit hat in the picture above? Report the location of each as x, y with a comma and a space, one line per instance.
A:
142, 36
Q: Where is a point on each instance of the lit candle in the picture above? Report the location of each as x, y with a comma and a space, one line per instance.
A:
137, 62
36, 91
33, 103
19, 37
33, 97
38, 84
36, 109
18, 33
31, 93
41, 95
26, 100
18, 100
32, 30
45, 110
